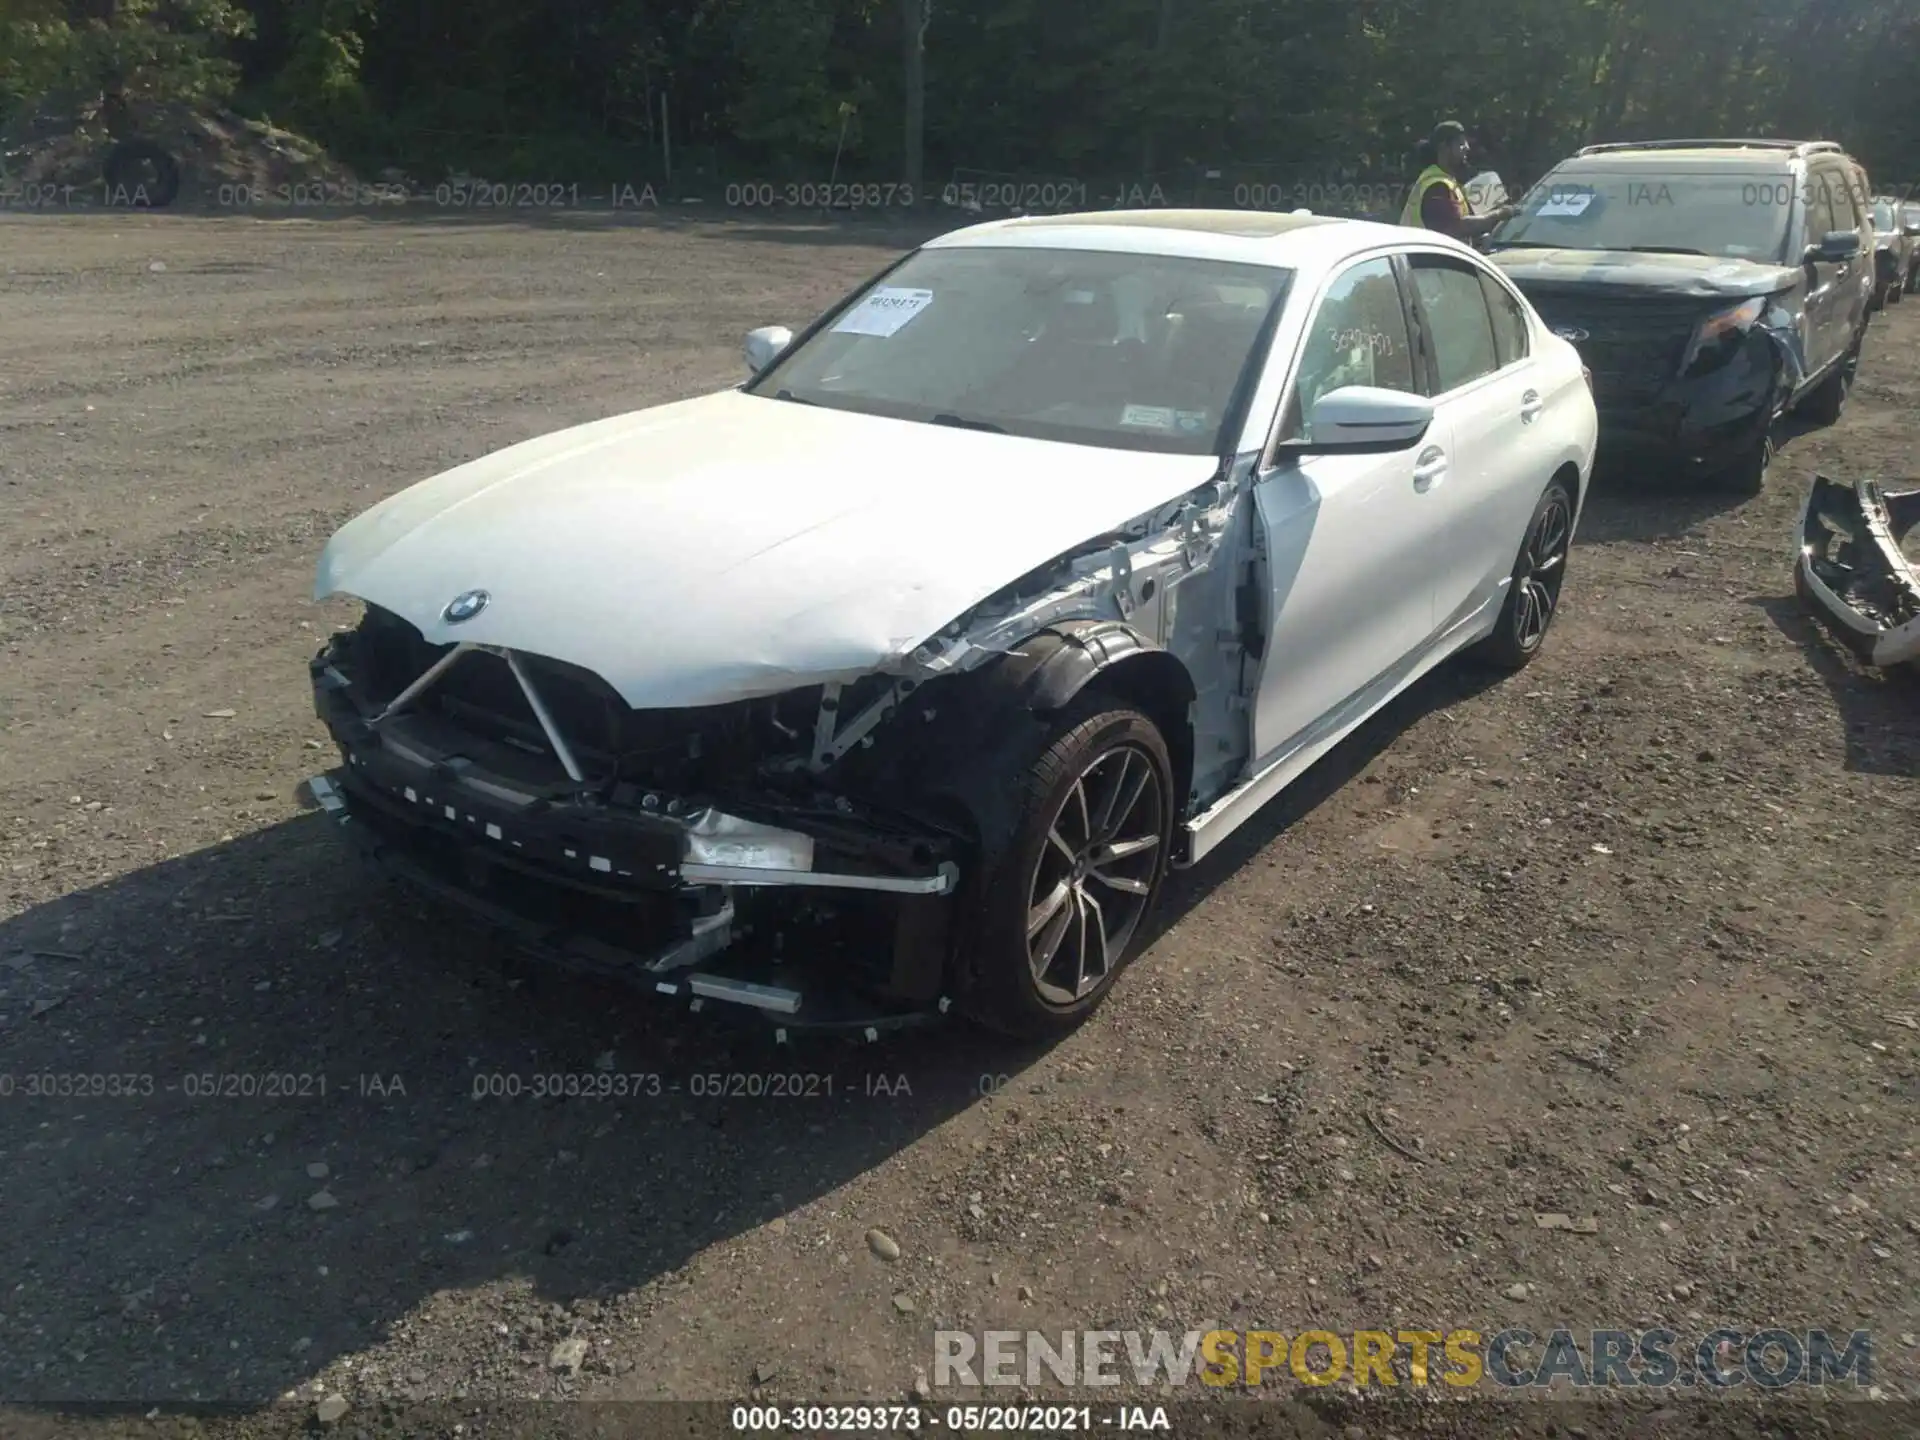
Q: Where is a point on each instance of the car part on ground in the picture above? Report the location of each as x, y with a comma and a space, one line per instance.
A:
1853, 571
894, 681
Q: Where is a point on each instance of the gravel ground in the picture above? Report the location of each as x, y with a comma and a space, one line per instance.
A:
1628, 938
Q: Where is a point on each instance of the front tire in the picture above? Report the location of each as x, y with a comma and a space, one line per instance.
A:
1748, 474
1829, 400
1533, 595
1059, 905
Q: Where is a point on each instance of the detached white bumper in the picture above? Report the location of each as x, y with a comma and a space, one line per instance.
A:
1852, 571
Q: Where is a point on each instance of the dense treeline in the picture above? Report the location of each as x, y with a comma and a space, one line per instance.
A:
1111, 91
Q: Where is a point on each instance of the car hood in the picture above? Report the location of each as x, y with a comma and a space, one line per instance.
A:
1703, 277
732, 546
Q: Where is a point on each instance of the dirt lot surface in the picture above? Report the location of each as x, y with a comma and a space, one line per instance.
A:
1629, 938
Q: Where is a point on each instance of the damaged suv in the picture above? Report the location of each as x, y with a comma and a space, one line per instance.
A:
895, 679
1712, 285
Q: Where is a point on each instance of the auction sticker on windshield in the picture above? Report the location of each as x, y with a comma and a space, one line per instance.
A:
1150, 417
884, 312
1571, 204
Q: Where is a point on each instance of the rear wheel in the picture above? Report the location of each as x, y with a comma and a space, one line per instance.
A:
1533, 596
1057, 910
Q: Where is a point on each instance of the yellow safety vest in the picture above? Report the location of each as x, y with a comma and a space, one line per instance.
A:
1429, 177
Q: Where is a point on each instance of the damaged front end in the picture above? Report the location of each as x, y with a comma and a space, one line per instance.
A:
1853, 571
801, 853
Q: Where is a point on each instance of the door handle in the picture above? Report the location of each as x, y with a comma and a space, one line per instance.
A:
1530, 407
1430, 469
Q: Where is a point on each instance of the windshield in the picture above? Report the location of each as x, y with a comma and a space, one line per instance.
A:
1128, 351
1738, 215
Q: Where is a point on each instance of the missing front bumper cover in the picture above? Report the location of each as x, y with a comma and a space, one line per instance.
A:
632, 879
698, 965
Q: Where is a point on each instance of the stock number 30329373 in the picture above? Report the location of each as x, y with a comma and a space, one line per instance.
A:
858, 1419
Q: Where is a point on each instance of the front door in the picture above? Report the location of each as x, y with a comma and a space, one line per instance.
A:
1832, 287
1348, 563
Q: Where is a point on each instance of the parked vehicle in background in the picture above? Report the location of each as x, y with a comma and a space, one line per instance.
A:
1034, 566
1711, 286
1910, 224
1890, 252
1896, 250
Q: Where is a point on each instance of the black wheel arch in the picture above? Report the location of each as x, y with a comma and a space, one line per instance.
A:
1011, 707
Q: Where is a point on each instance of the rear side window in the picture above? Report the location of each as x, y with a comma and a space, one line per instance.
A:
1850, 202
1457, 319
1509, 322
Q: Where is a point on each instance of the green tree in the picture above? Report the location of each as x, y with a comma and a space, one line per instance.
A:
132, 52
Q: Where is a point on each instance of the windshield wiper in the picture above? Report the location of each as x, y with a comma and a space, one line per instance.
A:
789, 395
960, 422
1663, 250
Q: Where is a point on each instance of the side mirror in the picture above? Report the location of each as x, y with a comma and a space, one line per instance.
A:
1362, 417
1835, 246
1913, 229
765, 344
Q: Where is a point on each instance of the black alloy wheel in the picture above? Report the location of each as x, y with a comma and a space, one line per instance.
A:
1092, 880
1533, 594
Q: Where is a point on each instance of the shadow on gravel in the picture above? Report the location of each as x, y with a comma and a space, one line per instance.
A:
188, 1045
1881, 711
1656, 502
1440, 689
183, 1044
1635, 508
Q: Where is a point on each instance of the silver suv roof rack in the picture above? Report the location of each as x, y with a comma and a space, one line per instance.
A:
1797, 147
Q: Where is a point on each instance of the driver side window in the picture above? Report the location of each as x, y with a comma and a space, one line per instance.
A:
1358, 337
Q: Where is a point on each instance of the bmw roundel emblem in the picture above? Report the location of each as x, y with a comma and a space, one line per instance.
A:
1571, 333
465, 606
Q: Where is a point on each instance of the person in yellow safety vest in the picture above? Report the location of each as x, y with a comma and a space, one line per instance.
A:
1437, 200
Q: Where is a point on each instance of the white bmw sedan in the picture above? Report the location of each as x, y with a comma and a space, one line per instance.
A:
893, 680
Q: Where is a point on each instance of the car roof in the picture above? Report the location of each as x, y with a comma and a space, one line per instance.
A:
1703, 157
1257, 237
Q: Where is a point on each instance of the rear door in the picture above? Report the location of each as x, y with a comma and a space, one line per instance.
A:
1482, 378
1853, 209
